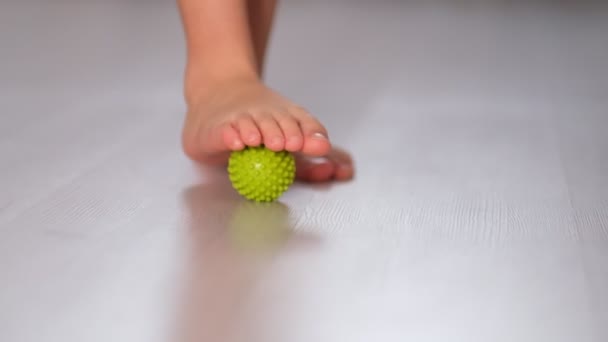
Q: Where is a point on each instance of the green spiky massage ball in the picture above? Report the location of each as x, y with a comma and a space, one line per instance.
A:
260, 174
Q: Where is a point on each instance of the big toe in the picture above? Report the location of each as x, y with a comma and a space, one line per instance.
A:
316, 144
314, 169
336, 165
343, 162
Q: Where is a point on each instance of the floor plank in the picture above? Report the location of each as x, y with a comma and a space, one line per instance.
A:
479, 211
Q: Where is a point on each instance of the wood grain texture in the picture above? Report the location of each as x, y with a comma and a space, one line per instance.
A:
479, 211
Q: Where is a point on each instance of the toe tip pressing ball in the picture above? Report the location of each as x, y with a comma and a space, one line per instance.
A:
261, 175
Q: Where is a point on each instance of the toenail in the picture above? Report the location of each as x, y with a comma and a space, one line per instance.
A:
276, 140
320, 136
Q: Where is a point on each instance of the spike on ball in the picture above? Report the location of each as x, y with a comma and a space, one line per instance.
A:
261, 175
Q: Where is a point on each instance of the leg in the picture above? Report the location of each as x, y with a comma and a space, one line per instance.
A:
229, 107
261, 17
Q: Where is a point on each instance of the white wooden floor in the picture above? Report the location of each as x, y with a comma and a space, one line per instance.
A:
479, 211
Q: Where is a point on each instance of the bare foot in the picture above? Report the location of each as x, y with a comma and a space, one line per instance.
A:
242, 113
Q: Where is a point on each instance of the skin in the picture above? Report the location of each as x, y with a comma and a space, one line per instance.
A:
230, 107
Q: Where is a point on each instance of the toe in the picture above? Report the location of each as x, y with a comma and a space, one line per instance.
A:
316, 141
271, 133
248, 131
231, 139
314, 169
344, 168
340, 156
337, 165
291, 131
343, 172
